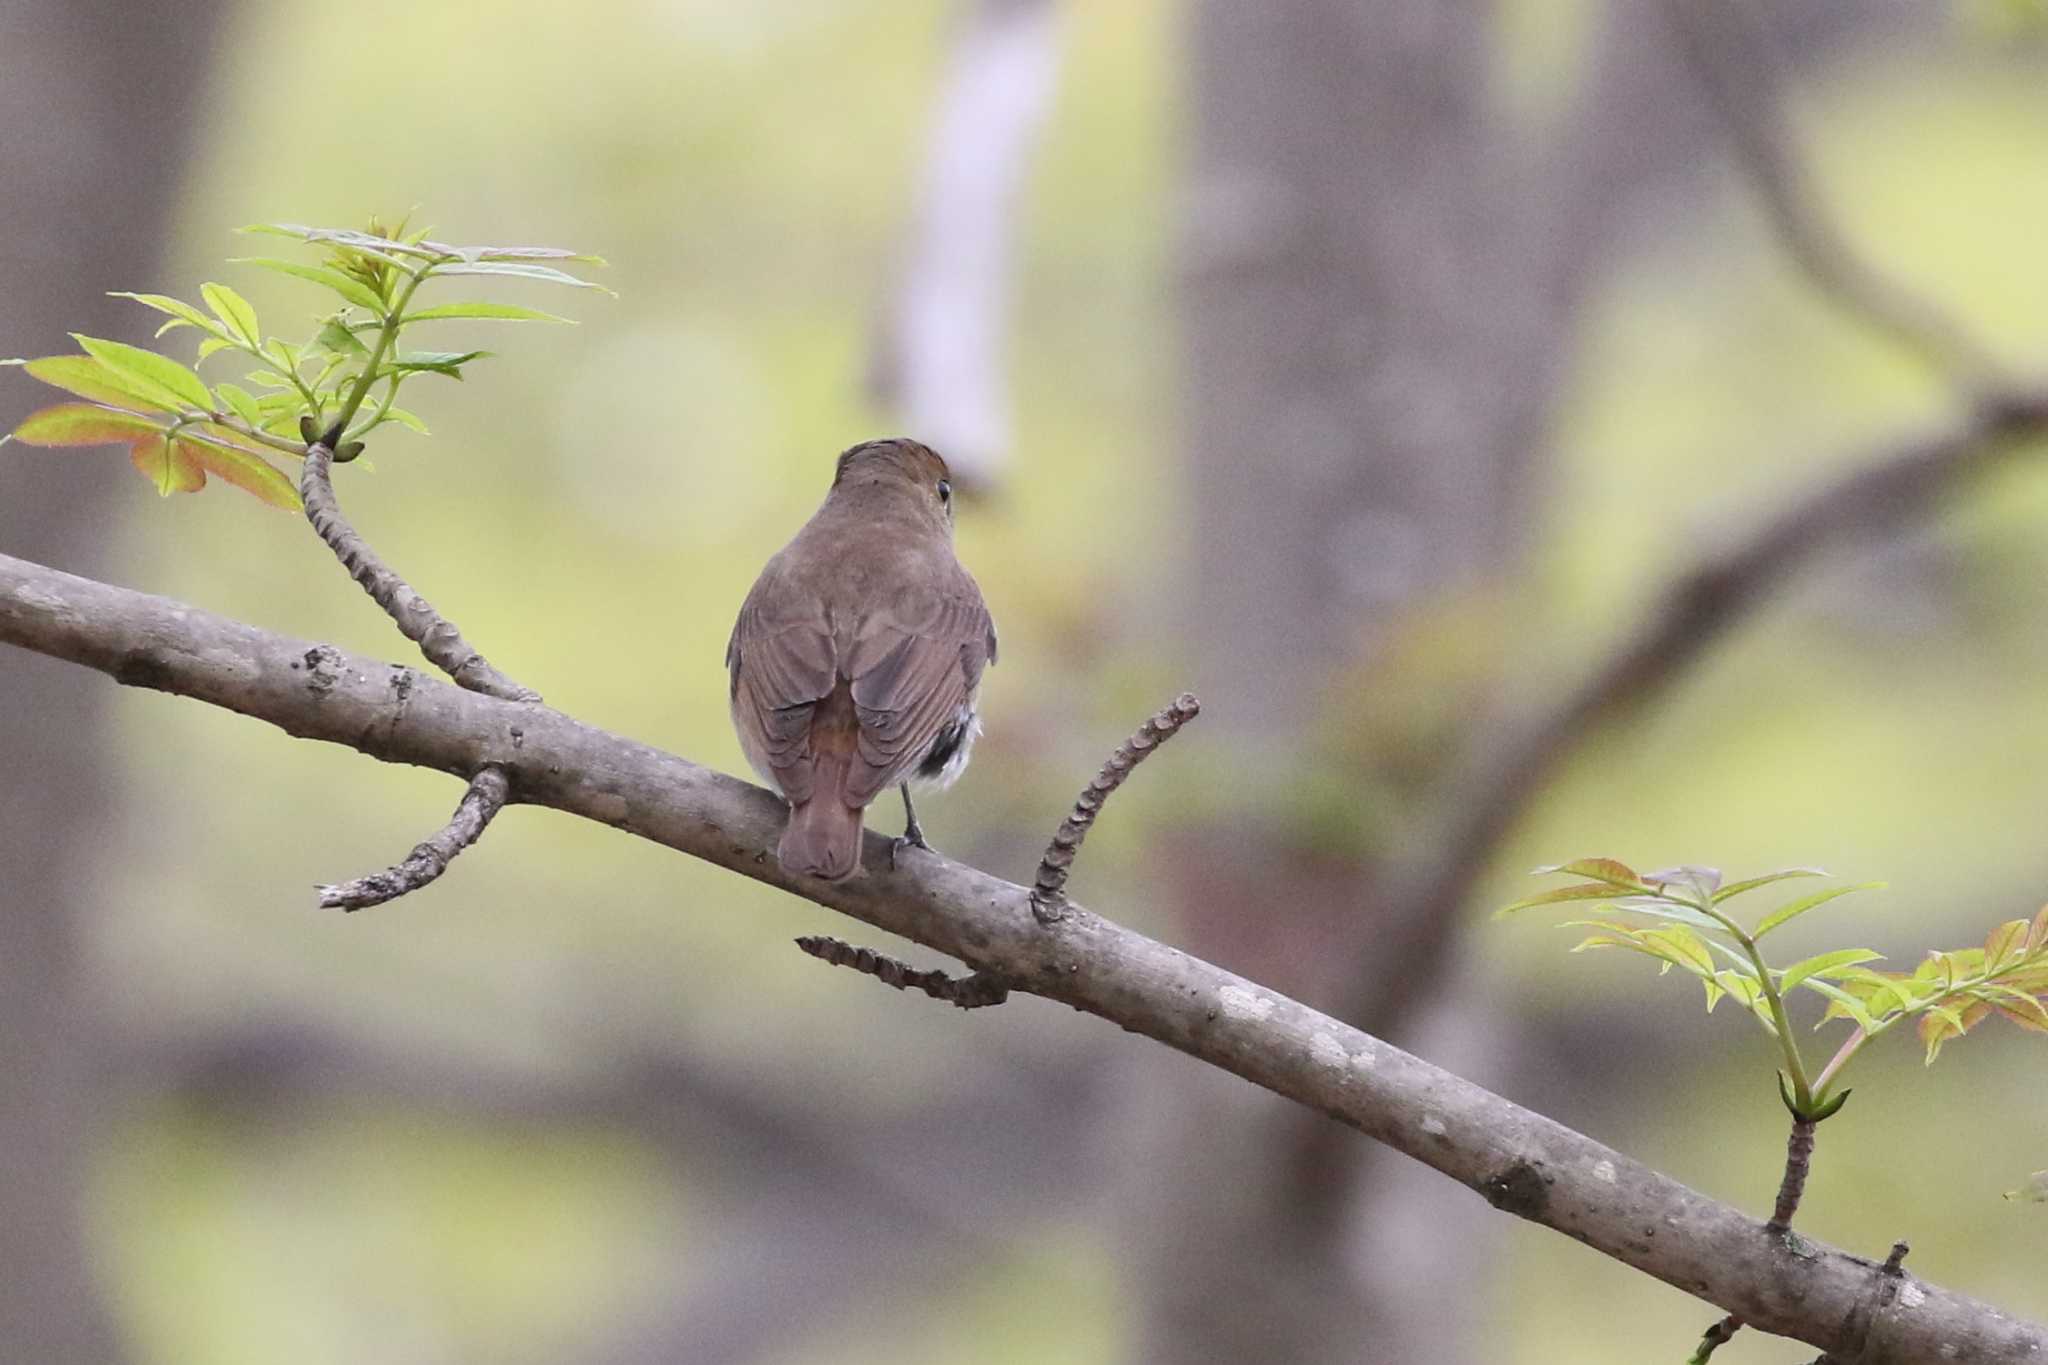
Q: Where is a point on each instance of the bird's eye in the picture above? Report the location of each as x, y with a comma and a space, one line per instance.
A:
946, 492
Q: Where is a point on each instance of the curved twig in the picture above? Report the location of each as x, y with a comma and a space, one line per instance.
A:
1048, 893
435, 634
487, 794
1739, 75
968, 992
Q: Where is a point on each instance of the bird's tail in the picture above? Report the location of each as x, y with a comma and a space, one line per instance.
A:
822, 840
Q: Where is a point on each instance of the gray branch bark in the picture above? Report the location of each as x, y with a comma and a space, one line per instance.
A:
1519, 1161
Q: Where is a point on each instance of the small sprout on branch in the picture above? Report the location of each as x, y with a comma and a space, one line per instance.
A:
340, 383
1717, 1336
1690, 928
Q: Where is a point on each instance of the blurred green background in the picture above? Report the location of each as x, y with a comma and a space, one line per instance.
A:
582, 1100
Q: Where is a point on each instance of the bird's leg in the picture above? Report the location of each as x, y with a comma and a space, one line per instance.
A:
913, 833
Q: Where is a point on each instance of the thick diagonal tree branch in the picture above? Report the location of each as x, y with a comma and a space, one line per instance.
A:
1519, 1161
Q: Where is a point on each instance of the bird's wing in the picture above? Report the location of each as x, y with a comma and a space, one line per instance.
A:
782, 666
913, 667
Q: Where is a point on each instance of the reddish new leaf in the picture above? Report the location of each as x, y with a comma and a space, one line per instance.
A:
1609, 870
85, 424
167, 464
243, 468
88, 378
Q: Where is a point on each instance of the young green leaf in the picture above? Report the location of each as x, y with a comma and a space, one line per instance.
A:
1677, 912
182, 313
348, 287
1682, 947
234, 312
526, 272
1825, 965
88, 378
241, 402
1785, 914
1882, 993
150, 370
504, 312
1752, 883
449, 363
410, 421
1842, 1004
339, 339
517, 253
1579, 891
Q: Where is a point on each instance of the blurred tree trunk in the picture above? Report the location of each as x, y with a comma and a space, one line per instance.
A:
1381, 284
1381, 279
98, 99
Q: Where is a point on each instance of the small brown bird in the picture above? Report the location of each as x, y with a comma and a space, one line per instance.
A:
857, 656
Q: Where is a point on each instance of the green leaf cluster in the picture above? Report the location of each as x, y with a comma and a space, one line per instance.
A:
339, 384
1681, 918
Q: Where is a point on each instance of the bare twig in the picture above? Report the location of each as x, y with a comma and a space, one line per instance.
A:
486, 796
435, 634
1798, 1161
968, 992
938, 353
1739, 74
444, 647
1520, 1161
1048, 894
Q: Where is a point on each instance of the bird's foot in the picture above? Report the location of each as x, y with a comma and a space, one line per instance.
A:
912, 837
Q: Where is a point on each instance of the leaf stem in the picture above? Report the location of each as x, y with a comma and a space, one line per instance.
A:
387, 331
1795, 1066
240, 427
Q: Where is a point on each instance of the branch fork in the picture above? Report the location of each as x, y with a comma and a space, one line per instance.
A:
490, 787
